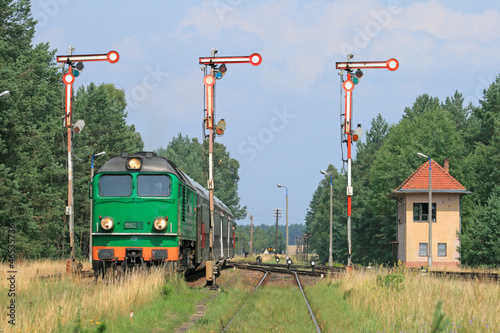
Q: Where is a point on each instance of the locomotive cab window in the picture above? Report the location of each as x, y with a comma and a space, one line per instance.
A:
153, 185
115, 185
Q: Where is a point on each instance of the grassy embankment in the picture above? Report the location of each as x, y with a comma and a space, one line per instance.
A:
47, 300
403, 301
377, 300
371, 301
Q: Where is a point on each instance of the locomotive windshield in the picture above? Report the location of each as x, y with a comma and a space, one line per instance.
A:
153, 185
115, 185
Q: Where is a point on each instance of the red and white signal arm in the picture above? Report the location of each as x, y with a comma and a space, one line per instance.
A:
348, 86
391, 64
111, 56
68, 79
254, 59
209, 82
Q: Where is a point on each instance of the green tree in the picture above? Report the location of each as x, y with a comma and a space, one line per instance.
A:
33, 165
242, 239
318, 219
366, 234
188, 156
191, 157
31, 158
430, 130
480, 241
484, 143
480, 218
260, 241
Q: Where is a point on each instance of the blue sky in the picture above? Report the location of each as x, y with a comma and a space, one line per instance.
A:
283, 117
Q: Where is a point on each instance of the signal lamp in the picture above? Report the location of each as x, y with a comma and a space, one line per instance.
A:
160, 223
221, 127
78, 126
134, 163
357, 76
107, 223
357, 133
77, 69
220, 71
277, 259
313, 263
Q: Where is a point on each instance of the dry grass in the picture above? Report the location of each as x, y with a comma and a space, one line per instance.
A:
410, 305
47, 300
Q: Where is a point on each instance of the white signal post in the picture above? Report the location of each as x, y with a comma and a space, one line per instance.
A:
209, 82
348, 85
68, 80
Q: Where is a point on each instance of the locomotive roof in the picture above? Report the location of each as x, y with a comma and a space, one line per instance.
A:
155, 164
202, 192
150, 163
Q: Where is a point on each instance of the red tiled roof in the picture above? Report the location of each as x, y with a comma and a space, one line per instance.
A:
441, 180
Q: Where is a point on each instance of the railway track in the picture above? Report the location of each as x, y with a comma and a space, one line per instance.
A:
268, 271
317, 270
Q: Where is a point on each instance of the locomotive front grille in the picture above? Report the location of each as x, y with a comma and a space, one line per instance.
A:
105, 254
159, 254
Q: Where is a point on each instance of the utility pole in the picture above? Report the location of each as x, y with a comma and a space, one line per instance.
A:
251, 233
69, 79
286, 188
209, 82
330, 254
353, 135
277, 214
429, 211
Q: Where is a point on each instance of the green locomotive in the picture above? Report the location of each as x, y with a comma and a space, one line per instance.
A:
146, 212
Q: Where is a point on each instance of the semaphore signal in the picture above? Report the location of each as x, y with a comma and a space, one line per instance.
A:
354, 135
68, 79
209, 82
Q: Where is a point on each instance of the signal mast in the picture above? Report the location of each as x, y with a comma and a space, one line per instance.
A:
354, 135
209, 82
75, 66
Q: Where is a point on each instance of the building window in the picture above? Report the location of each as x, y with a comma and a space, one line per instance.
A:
421, 212
441, 249
422, 249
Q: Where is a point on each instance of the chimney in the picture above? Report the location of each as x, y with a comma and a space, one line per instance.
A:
446, 165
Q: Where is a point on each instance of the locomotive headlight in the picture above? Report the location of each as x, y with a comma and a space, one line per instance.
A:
107, 223
134, 163
160, 223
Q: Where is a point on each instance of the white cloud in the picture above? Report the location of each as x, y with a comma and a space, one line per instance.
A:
131, 46
300, 40
445, 23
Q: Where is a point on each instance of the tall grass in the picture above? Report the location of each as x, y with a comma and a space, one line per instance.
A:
379, 300
405, 301
48, 302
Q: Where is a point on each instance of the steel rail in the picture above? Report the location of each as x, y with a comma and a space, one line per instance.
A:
261, 281
307, 303
282, 270
480, 276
